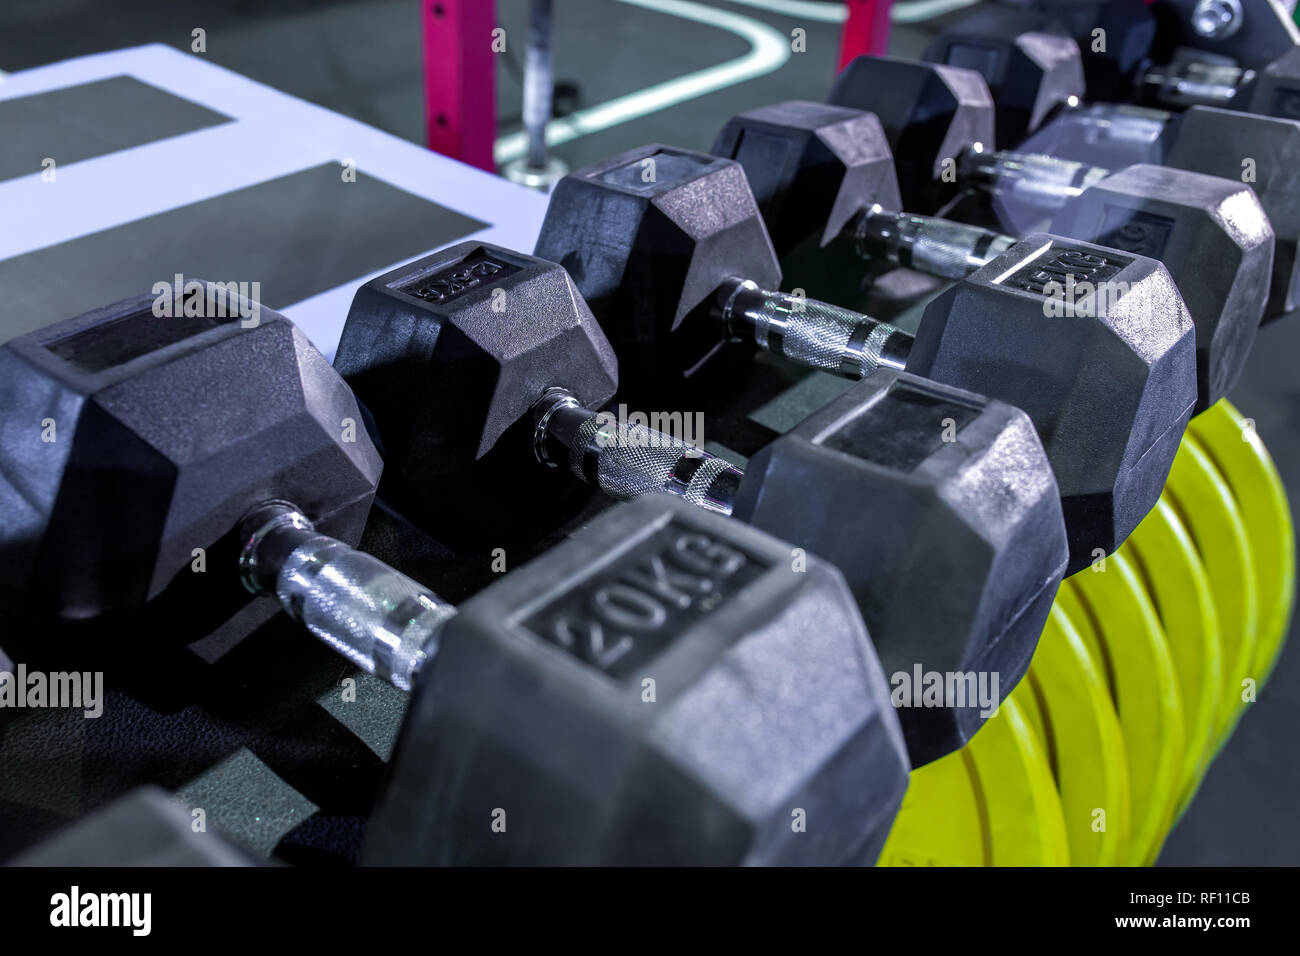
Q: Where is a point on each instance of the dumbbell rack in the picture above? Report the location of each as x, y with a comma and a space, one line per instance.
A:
1144, 669
1147, 663
1137, 684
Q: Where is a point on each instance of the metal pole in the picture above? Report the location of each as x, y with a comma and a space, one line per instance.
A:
538, 82
536, 168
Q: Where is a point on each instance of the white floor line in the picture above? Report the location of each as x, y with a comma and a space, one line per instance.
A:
801, 9
913, 12
769, 50
920, 10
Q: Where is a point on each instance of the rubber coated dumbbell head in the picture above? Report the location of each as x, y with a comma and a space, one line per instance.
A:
648, 237
666, 687
931, 114
1032, 65
962, 512
1275, 91
812, 167
1234, 145
1214, 237
1098, 348
1113, 58
107, 485
824, 209
1212, 233
450, 351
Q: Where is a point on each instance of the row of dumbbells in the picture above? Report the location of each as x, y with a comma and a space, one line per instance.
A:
1018, 75
1043, 57
188, 432
951, 517
476, 360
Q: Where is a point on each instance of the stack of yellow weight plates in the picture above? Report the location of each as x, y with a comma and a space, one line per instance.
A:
1144, 668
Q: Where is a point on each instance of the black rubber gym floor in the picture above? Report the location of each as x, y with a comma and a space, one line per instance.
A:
362, 58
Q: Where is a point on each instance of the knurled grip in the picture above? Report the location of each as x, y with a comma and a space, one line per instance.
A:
812, 333
1108, 124
937, 247
1196, 84
375, 616
1042, 182
628, 460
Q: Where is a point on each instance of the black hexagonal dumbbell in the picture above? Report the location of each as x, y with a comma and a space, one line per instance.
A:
662, 687
530, 705
871, 484
1111, 58
670, 250
1239, 54
823, 178
939, 122
979, 509
1029, 60
1260, 151
103, 505
1176, 54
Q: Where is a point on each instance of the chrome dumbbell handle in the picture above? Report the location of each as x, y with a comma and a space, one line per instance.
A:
628, 460
812, 333
372, 614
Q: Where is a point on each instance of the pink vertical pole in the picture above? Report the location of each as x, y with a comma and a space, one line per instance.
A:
460, 79
866, 30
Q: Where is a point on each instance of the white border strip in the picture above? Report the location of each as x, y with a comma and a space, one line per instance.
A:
273, 134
